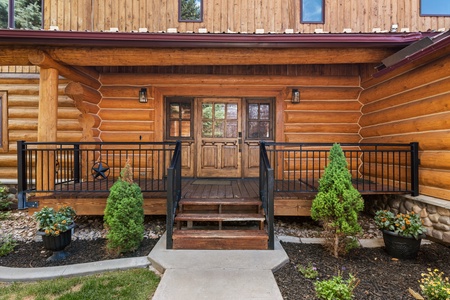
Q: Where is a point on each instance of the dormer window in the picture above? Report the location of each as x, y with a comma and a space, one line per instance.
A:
190, 10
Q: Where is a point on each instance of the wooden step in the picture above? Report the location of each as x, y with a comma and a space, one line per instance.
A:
219, 217
238, 205
220, 239
219, 201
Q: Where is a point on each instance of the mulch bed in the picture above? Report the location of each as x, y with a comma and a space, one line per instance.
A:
381, 277
33, 255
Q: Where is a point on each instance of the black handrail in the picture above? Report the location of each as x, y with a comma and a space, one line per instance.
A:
173, 192
266, 184
375, 168
67, 167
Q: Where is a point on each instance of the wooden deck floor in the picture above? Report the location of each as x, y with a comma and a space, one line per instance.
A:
88, 202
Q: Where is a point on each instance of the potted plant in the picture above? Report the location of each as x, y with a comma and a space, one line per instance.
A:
402, 232
55, 227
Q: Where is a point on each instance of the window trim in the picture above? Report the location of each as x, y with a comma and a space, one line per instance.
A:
431, 15
4, 121
190, 21
167, 119
321, 21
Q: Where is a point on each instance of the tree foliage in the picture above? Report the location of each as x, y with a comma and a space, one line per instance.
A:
337, 203
124, 215
190, 10
27, 14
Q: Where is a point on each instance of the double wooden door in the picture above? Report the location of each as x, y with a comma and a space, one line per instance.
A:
225, 135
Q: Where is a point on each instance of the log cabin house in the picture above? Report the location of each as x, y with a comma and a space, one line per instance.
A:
249, 94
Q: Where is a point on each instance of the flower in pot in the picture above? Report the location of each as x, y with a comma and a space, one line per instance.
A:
55, 227
402, 232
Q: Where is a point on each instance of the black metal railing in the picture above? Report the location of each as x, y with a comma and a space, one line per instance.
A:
92, 167
266, 185
375, 168
173, 193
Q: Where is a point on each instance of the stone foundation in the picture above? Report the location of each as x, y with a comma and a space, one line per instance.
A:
435, 213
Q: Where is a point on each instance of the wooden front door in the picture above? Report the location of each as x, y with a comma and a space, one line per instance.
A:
219, 131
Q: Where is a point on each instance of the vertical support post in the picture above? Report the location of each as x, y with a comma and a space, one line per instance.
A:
270, 208
21, 175
76, 163
47, 120
170, 209
262, 146
415, 169
11, 17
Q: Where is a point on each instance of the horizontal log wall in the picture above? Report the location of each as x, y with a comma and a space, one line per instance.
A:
23, 102
324, 115
414, 106
123, 117
237, 16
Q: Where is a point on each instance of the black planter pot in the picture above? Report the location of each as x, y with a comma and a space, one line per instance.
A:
400, 246
57, 244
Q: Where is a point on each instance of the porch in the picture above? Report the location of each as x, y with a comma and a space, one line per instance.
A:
206, 213
83, 173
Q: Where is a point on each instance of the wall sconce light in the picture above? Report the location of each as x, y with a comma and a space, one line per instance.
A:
295, 96
143, 95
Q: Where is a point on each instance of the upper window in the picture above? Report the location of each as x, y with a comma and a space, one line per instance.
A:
434, 7
3, 122
21, 14
190, 10
312, 11
179, 116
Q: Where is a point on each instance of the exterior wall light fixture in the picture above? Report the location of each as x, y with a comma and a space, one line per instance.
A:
295, 96
143, 95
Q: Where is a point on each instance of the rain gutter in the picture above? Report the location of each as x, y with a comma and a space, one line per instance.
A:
438, 45
205, 40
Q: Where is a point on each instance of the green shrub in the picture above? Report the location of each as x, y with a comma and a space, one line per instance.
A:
336, 288
309, 272
5, 198
124, 215
337, 203
7, 245
434, 285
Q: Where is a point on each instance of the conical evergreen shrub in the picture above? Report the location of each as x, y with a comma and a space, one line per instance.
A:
337, 203
124, 214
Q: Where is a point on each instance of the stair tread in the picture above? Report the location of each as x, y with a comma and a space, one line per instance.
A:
227, 201
224, 234
219, 217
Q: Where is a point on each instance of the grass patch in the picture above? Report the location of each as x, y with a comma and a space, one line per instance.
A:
131, 284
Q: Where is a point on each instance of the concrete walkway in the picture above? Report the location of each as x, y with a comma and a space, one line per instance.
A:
217, 274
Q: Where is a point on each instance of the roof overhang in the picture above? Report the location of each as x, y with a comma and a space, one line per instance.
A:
205, 40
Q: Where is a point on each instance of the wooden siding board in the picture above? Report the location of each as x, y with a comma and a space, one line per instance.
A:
238, 16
